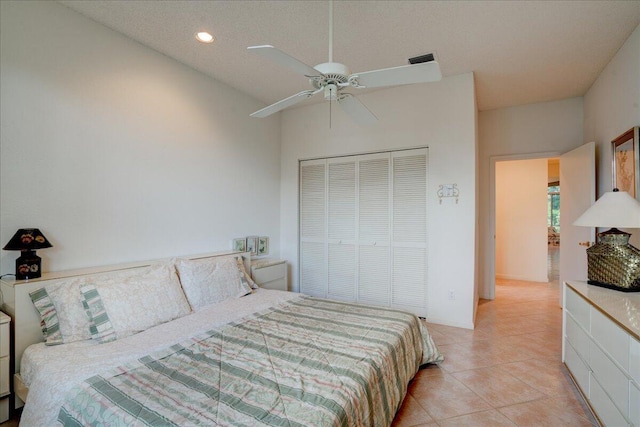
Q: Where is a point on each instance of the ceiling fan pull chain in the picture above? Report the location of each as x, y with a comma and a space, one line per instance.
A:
329, 110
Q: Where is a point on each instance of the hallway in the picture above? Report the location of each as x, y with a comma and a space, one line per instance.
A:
506, 372
553, 263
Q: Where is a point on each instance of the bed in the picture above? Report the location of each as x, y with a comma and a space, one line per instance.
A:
265, 358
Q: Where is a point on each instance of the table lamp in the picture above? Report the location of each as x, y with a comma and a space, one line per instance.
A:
612, 262
27, 240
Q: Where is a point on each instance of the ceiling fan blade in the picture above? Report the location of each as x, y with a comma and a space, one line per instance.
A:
406, 74
356, 110
284, 59
287, 102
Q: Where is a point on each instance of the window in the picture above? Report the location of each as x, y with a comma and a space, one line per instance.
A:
553, 207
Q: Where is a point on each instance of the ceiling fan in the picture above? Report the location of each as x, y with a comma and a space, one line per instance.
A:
332, 79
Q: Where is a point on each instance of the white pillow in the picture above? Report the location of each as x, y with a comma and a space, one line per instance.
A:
211, 280
137, 303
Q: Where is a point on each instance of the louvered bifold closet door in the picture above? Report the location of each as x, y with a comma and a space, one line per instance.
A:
341, 195
313, 228
374, 230
409, 231
363, 229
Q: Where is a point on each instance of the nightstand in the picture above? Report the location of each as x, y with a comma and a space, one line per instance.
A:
5, 374
270, 273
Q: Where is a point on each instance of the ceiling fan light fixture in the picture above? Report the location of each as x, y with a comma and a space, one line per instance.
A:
204, 37
331, 92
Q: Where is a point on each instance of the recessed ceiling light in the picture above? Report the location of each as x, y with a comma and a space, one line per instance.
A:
204, 37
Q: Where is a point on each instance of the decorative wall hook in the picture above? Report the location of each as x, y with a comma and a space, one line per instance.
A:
448, 190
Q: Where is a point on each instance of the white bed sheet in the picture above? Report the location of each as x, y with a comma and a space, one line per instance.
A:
51, 371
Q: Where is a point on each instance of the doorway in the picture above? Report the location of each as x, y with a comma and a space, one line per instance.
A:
578, 183
522, 220
553, 220
490, 272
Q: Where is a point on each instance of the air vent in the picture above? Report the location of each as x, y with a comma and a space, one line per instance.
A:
422, 58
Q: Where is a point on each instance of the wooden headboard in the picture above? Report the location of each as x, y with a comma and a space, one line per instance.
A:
26, 319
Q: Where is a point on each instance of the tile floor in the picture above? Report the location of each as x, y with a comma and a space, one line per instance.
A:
505, 372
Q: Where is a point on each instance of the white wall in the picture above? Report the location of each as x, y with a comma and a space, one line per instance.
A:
612, 106
118, 153
548, 127
438, 115
521, 220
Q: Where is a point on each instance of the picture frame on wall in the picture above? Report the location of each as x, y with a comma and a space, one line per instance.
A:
252, 245
263, 245
625, 162
240, 245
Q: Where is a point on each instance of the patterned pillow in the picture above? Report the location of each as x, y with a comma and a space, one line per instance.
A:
244, 276
211, 280
48, 317
65, 296
137, 303
100, 325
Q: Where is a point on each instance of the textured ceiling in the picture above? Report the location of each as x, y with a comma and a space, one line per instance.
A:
520, 51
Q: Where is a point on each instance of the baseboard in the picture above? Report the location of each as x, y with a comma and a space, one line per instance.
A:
544, 279
448, 323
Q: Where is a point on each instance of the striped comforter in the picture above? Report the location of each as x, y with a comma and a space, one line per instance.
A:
304, 362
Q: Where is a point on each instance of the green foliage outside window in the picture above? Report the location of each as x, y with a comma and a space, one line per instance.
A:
553, 207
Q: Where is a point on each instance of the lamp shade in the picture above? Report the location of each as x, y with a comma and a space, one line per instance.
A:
614, 209
27, 239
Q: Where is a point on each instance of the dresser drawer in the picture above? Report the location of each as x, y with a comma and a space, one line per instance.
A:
634, 405
4, 409
634, 360
578, 369
578, 338
610, 378
4, 339
4, 376
604, 407
611, 337
278, 285
269, 273
578, 308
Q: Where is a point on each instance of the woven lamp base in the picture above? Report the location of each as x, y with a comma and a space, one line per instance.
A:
613, 263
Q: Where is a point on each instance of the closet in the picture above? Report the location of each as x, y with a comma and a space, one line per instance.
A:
363, 228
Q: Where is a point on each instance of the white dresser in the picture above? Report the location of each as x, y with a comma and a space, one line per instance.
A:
5, 372
601, 349
270, 273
